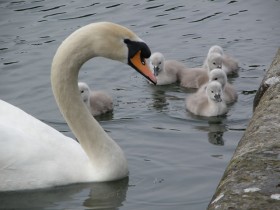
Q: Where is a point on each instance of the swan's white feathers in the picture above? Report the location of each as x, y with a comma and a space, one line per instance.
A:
230, 94
204, 103
229, 64
25, 161
32, 154
167, 69
98, 102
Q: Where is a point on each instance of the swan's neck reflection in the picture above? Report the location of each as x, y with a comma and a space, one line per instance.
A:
107, 195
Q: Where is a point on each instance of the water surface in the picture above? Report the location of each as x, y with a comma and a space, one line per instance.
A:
175, 159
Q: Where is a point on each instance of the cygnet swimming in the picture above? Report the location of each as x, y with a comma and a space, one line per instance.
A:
229, 92
166, 71
230, 65
98, 102
209, 102
196, 77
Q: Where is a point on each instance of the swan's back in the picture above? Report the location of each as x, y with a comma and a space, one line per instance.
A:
230, 94
30, 140
230, 65
196, 103
169, 74
100, 102
193, 77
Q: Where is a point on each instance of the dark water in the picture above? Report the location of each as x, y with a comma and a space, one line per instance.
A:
175, 159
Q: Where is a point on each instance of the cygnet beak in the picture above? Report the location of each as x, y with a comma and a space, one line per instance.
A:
156, 70
217, 97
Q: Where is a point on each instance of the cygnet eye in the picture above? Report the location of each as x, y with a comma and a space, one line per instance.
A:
212, 91
159, 63
216, 78
82, 91
214, 63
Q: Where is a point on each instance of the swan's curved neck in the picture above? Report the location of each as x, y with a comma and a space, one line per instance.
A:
70, 56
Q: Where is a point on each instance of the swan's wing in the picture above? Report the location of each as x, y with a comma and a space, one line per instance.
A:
197, 102
230, 94
40, 154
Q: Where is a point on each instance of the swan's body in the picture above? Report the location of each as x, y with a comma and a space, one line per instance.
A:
166, 71
196, 77
229, 92
230, 65
33, 155
98, 102
209, 102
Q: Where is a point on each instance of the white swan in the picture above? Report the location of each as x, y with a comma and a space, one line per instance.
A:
207, 103
230, 94
166, 71
34, 155
230, 65
98, 102
196, 77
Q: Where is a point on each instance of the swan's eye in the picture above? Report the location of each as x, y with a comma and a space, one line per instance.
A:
136, 46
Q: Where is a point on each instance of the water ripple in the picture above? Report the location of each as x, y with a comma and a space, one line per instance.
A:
9, 63
77, 17
53, 8
207, 17
159, 25
58, 13
114, 5
173, 8
153, 7
29, 8
179, 18
88, 5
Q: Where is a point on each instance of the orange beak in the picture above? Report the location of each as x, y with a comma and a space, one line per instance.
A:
140, 65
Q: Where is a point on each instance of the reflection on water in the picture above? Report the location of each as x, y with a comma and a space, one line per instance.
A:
109, 195
215, 129
216, 138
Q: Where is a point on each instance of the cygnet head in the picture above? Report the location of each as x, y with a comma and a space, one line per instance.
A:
157, 62
84, 91
216, 49
214, 91
214, 61
218, 75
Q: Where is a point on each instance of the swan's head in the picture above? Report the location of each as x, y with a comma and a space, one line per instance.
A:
84, 91
214, 61
214, 91
216, 49
157, 62
119, 43
218, 75
108, 40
